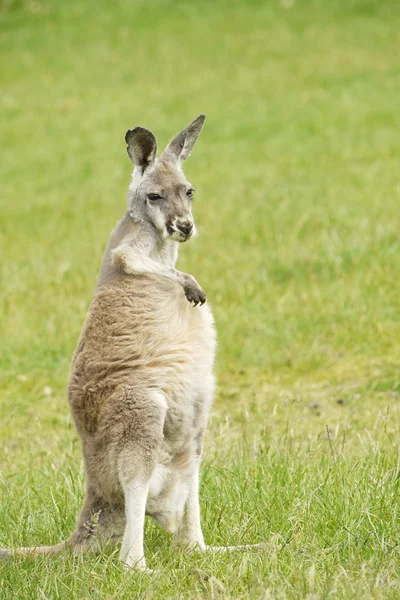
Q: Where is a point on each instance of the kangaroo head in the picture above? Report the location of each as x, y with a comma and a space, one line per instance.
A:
159, 192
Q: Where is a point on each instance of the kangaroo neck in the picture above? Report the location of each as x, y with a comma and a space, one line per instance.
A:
142, 237
165, 252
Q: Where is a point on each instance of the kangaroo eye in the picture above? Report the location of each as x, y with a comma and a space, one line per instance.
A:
154, 197
189, 193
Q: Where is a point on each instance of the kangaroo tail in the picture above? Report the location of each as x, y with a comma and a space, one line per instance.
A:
33, 551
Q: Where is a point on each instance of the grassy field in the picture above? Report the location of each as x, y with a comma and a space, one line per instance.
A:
297, 204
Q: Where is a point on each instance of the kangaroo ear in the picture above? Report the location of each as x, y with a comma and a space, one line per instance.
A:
182, 145
142, 147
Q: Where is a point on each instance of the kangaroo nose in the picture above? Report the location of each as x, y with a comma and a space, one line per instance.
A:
186, 227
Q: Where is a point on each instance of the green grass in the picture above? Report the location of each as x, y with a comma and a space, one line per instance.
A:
297, 204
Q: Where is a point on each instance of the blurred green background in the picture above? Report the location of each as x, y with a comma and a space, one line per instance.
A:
297, 206
296, 170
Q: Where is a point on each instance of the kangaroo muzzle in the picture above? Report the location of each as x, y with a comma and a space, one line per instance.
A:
181, 230
186, 227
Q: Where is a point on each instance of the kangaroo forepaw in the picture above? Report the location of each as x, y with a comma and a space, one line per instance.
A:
194, 293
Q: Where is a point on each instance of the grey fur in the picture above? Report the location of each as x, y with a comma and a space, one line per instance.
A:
149, 244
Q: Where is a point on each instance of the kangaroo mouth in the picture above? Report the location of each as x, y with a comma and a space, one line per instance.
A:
170, 229
175, 234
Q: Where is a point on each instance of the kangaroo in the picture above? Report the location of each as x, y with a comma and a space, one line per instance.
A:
141, 382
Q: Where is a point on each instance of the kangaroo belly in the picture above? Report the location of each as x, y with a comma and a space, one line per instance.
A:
142, 334
141, 331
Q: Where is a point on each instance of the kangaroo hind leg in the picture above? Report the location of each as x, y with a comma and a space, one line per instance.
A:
189, 532
136, 463
99, 523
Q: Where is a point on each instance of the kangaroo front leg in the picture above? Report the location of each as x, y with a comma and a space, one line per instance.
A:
134, 262
132, 550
